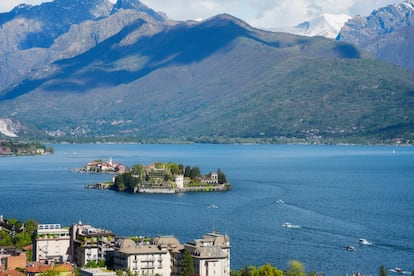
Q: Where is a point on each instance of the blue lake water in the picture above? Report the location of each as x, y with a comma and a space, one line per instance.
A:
336, 194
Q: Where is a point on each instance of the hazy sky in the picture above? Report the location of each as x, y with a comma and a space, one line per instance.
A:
259, 13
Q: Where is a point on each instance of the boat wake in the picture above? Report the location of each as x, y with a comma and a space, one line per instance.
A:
289, 225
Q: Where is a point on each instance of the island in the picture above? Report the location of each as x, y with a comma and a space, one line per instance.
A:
160, 178
101, 166
17, 148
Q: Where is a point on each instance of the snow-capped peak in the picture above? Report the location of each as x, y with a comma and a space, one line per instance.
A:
327, 25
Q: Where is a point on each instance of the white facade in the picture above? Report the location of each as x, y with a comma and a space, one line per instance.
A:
179, 181
148, 260
51, 243
211, 255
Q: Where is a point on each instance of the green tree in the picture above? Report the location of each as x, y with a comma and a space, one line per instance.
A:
174, 168
195, 172
22, 239
30, 226
295, 268
264, 270
119, 183
5, 239
382, 271
138, 170
221, 177
187, 171
268, 270
188, 264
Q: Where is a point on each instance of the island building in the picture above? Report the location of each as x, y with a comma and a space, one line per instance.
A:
51, 244
105, 166
88, 243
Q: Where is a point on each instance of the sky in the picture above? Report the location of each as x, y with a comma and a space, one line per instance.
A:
265, 14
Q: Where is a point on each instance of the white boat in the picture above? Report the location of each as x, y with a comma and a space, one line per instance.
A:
364, 242
280, 201
289, 225
397, 270
350, 248
213, 206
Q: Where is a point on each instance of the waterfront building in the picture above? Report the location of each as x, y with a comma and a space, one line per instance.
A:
211, 254
51, 244
88, 243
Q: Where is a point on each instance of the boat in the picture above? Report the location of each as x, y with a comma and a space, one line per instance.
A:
364, 242
213, 206
397, 270
350, 248
280, 201
289, 225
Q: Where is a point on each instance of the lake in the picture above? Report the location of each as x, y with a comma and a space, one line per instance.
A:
335, 194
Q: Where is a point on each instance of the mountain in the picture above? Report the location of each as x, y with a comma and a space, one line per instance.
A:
35, 36
388, 33
153, 77
327, 25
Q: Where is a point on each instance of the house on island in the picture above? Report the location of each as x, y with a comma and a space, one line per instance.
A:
105, 167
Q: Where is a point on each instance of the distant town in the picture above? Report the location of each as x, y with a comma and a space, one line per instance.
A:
156, 178
10, 148
91, 251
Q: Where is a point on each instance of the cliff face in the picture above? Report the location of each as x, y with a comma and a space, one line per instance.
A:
10, 127
388, 33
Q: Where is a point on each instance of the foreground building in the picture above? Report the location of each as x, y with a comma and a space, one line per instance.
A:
88, 243
211, 254
51, 244
142, 259
164, 256
11, 258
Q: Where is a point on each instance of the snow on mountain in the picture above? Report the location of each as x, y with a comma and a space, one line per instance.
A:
327, 25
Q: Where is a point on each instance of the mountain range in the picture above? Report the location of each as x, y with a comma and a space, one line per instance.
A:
388, 33
327, 25
109, 71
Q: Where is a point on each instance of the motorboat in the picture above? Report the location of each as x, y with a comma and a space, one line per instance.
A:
289, 225
213, 206
280, 201
364, 242
397, 270
350, 248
